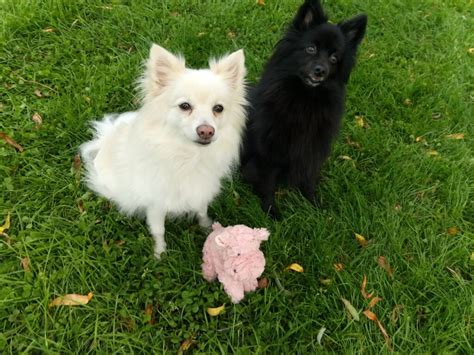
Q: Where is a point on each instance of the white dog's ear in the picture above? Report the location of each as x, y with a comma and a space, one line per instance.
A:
161, 67
231, 68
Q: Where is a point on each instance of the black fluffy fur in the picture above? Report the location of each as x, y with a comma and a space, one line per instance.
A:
296, 109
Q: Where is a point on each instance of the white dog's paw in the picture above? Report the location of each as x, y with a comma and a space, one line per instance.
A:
159, 249
205, 222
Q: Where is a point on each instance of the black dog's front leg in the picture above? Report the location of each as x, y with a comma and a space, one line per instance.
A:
263, 179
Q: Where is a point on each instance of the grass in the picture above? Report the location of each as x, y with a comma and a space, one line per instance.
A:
393, 191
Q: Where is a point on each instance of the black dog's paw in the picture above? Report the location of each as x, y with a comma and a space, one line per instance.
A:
272, 211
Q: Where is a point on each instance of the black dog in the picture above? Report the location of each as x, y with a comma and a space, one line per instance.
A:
296, 108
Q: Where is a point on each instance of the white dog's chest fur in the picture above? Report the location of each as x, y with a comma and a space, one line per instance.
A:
138, 168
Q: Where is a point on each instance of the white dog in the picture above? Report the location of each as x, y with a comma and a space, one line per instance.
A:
168, 158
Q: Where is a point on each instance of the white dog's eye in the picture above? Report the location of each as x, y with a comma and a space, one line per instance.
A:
311, 50
185, 106
218, 108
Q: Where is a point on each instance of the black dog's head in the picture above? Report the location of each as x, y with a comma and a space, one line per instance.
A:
319, 51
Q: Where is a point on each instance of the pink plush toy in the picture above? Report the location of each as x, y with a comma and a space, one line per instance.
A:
233, 255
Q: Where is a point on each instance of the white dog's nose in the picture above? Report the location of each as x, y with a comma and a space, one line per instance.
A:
205, 131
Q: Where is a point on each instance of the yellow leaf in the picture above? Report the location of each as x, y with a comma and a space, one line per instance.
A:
472, 256
6, 225
407, 102
48, 30
471, 50
350, 308
452, 231
360, 121
260, 2
295, 267
419, 139
325, 282
433, 153
214, 312
339, 266
345, 157
361, 240
455, 136
71, 300
186, 345
25, 264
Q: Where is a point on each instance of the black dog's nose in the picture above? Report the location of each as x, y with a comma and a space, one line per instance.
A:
319, 70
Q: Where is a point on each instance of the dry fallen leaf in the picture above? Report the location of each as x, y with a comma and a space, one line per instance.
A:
339, 266
373, 317
37, 119
263, 282
186, 345
361, 240
260, 2
362, 289
433, 153
25, 263
436, 115
214, 312
80, 205
374, 301
396, 313
11, 142
149, 314
119, 243
452, 231
350, 308
71, 300
398, 207
295, 267
325, 282
360, 121
455, 136
5, 225
49, 30
384, 264
38, 93
352, 143
345, 157
407, 102
419, 139
231, 35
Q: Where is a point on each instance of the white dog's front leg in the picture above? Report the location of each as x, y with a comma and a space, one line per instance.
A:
203, 218
156, 221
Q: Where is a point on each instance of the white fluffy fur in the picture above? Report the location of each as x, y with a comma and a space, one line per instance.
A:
148, 160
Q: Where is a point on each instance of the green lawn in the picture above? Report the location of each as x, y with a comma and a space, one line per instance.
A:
400, 181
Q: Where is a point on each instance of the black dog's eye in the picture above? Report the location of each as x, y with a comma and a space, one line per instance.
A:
333, 59
311, 50
185, 106
218, 108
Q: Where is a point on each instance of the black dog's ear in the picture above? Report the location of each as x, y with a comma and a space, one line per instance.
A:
354, 29
309, 14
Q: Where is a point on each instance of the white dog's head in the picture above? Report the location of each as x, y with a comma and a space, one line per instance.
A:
196, 103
